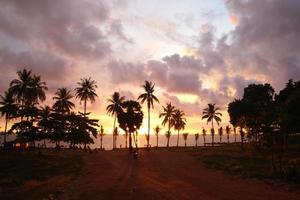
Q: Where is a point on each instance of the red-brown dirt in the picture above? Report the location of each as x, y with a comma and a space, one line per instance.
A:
164, 175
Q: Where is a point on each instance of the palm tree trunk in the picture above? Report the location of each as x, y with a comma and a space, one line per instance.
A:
148, 141
184, 143
157, 140
212, 134
220, 138
126, 138
169, 133
101, 141
84, 108
204, 140
130, 142
178, 138
113, 133
6, 119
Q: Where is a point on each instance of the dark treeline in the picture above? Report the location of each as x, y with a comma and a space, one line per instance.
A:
22, 103
267, 118
260, 117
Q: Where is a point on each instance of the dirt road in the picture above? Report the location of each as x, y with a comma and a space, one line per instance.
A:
163, 175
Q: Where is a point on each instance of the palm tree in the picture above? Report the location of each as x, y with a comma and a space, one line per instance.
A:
115, 137
196, 139
86, 91
8, 109
114, 108
44, 122
220, 131
204, 134
178, 122
20, 87
168, 135
227, 133
150, 98
212, 132
63, 104
167, 114
37, 89
101, 133
185, 136
234, 131
211, 113
157, 130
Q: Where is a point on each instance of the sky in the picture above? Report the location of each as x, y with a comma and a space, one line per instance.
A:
196, 52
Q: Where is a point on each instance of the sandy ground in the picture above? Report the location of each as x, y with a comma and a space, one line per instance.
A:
164, 175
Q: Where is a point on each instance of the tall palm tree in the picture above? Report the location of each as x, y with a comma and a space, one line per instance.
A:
20, 87
204, 135
114, 108
86, 91
220, 131
149, 97
211, 113
185, 136
227, 133
157, 130
196, 139
63, 103
8, 109
167, 114
178, 122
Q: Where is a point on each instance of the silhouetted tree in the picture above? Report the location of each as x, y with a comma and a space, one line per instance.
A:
196, 139
44, 122
185, 136
86, 91
8, 109
227, 133
102, 134
149, 97
220, 131
211, 113
157, 130
167, 115
114, 108
204, 135
178, 121
62, 102
131, 117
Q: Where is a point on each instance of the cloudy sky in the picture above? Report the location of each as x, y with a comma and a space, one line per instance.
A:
196, 52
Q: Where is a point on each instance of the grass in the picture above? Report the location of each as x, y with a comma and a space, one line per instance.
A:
252, 163
37, 174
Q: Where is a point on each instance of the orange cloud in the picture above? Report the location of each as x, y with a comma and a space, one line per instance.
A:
233, 20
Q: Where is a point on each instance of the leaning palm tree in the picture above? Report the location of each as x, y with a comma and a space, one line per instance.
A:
167, 114
178, 122
86, 91
204, 135
227, 133
149, 97
8, 109
196, 139
63, 103
220, 131
185, 136
114, 108
211, 113
157, 130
